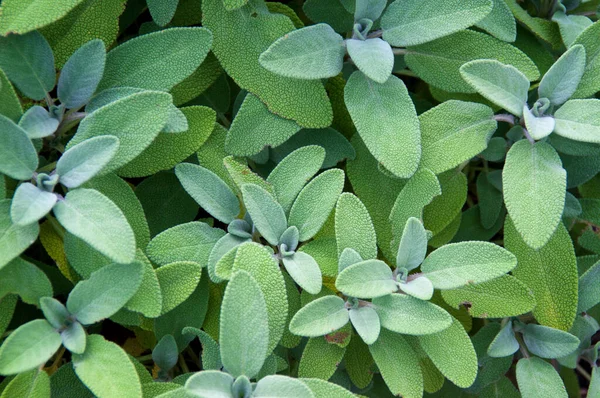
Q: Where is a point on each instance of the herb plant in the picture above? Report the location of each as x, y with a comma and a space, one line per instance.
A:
326, 198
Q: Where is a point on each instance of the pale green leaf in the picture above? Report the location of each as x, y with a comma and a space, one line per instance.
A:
505, 343
571, 26
320, 317
589, 292
162, 11
304, 270
538, 126
177, 282
579, 120
148, 299
347, 258
366, 322
30, 203
324, 389
370, 9
546, 342
354, 228
74, 338
500, 22
32, 384
210, 383
590, 83
404, 314
373, 57
537, 378
366, 279
20, 16
281, 386
241, 174
267, 215
26, 280
413, 245
83, 161
38, 123
322, 356
10, 106
562, 79
211, 356
14, 239
54, 311
225, 245
420, 287
18, 157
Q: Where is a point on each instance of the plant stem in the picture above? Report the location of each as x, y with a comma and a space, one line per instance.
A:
584, 372
57, 227
522, 345
144, 358
528, 136
399, 51
505, 117
183, 365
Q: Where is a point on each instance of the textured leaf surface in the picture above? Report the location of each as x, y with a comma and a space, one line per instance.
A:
177, 282
305, 271
83, 161
373, 57
562, 79
354, 228
10, 106
324, 389
162, 11
282, 386
14, 239
500, 22
408, 315
19, 157
546, 342
37, 122
320, 358
30, 384
387, 122
267, 215
322, 316
579, 120
366, 322
413, 245
590, 83
366, 279
25, 279
24, 16
589, 294
538, 378
30, 203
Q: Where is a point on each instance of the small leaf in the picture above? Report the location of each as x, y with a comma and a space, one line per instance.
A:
222, 247
267, 215
165, 353
537, 378
366, 279
74, 338
28, 62
373, 57
92, 217
14, 239
18, 157
83, 161
26, 280
162, 11
210, 383
534, 185
315, 202
370, 9
211, 356
538, 127
347, 258
413, 245
562, 79
408, 315
81, 74
505, 343
320, 317
277, 385
55, 312
314, 52
289, 238
305, 271
177, 282
500, 22
354, 228
546, 342
209, 191
38, 123
366, 322
30, 203
571, 26
458, 264
244, 329
420, 287
28, 346
502, 84
579, 120
589, 294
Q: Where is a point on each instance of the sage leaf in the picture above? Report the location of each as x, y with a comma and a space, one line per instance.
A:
26, 280
30, 203
562, 79
546, 342
304, 270
579, 120
18, 157
500, 22
505, 343
538, 127
413, 245
14, 239
38, 123
366, 322
74, 338
354, 228
538, 378
366, 279
274, 385
370, 9
267, 215
20, 18
320, 317
373, 57
420, 287
162, 11
409, 315
210, 383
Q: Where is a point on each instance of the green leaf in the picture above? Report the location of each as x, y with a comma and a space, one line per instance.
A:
304, 101
387, 122
458, 264
83, 161
156, 61
538, 127
255, 128
18, 156
314, 52
366, 279
25, 279
415, 23
500, 22
177, 282
244, 329
413, 245
579, 120
594, 388
498, 298
38, 123
14, 239
267, 215
321, 356
546, 342
347, 258
452, 353
370, 9
165, 353
21, 17
106, 370
320, 317
74, 338
240, 174
562, 79
453, 132
105, 292
291, 174
32, 384
373, 57
490, 200
222, 248
234, 4
278, 385
589, 294
211, 356
538, 378
315, 202
354, 228
502, 84
590, 83
366, 322
304, 270
10, 106
324, 389
505, 343
81, 74
333, 12
534, 184
210, 383
28, 62
92, 217
28, 347
556, 292
54, 311
135, 120
162, 11
398, 364
30, 203
420, 287
571, 26
209, 191
409, 315
438, 63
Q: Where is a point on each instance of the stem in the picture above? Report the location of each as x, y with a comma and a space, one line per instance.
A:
528, 136
522, 345
49, 100
584, 372
183, 365
224, 120
406, 72
58, 358
69, 121
399, 51
377, 33
505, 117
144, 358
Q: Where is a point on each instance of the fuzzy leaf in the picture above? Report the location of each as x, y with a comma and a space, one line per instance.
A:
500, 22
504, 344
373, 57
74, 338
35, 383
562, 79
354, 228
162, 11
538, 378
370, 9
38, 123
320, 317
277, 385
322, 356
14, 239
420, 287
408, 315
387, 122
83, 161
177, 282
10, 106
579, 120
18, 156
30, 203
267, 215
538, 127
21, 17
26, 280
366, 279
590, 83
546, 342
534, 184
589, 294
571, 26
244, 328
210, 383
366, 322
305, 271
413, 245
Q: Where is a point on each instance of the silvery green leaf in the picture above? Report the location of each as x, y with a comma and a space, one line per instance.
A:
538, 378
223, 246
289, 238
373, 57
74, 338
500, 22
570, 26
18, 157
14, 239
304, 270
547, 342
176, 121
281, 386
82, 162
38, 123
505, 342
413, 245
579, 120
81, 74
538, 126
366, 322
370, 9
30, 203
162, 11
210, 383
420, 287
165, 352
562, 79
366, 279
313, 52
320, 317
502, 84
55, 312
348, 257
240, 228
267, 215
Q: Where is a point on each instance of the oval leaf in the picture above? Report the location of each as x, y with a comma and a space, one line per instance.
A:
320, 317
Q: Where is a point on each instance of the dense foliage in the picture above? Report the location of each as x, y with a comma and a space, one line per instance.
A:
320, 199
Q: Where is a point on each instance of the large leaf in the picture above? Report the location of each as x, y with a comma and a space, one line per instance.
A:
210, 383
534, 183
83, 161
366, 279
538, 378
28, 62
156, 61
354, 228
387, 122
546, 342
18, 157
177, 282
24, 16
278, 385
105, 292
562, 79
590, 83
320, 317
244, 336
267, 215
373, 57
92, 217
30, 203
14, 239
305, 271
314, 52
25, 279
408, 315
28, 347
458, 264
106, 369
550, 272
502, 84
579, 120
